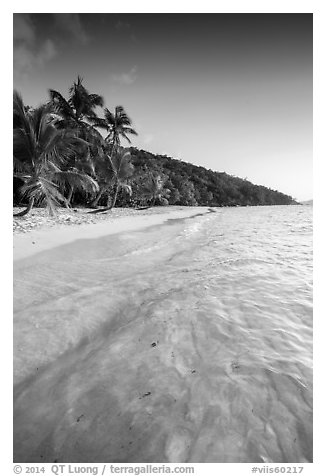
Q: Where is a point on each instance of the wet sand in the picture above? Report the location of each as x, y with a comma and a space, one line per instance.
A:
68, 410
38, 231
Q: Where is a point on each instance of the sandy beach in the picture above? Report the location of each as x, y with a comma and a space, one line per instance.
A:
38, 231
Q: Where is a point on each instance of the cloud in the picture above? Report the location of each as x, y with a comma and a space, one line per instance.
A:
47, 52
125, 79
26, 60
23, 28
71, 23
28, 53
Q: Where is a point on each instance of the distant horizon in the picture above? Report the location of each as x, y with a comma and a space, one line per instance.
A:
228, 92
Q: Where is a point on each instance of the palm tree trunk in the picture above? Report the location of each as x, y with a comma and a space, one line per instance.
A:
114, 196
97, 198
100, 210
27, 210
114, 145
68, 202
109, 205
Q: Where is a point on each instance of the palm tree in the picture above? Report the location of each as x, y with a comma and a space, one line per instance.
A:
114, 174
79, 107
76, 113
154, 188
122, 170
117, 124
82, 163
41, 153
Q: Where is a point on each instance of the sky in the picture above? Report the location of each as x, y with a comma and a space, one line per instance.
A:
230, 92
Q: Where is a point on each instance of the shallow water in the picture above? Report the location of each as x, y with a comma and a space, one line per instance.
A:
186, 342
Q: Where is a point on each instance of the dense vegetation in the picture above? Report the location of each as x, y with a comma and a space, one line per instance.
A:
61, 158
183, 183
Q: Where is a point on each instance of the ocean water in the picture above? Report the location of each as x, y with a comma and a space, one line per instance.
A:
185, 342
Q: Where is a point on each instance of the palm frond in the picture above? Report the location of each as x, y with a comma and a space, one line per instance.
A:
99, 122
76, 179
18, 166
129, 130
126, 137
43, 191
60, 105
19, 111
109, 117
96, 100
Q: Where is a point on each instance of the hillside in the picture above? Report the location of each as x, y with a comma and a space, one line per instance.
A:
188, 184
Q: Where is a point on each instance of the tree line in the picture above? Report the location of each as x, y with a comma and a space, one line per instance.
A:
182, 183
62, 159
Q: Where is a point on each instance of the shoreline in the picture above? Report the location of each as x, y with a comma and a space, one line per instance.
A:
38, 232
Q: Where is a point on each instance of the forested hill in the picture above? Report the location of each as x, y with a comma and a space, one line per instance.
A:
183, 183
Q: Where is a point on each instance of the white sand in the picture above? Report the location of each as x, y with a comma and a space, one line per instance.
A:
38, 240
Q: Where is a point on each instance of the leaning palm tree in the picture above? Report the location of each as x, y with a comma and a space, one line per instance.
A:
41, 153
82, 166
83, 162
113, 175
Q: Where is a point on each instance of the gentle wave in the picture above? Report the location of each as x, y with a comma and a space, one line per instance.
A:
186, 342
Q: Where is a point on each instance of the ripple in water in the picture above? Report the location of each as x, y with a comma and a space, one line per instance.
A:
187, 342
